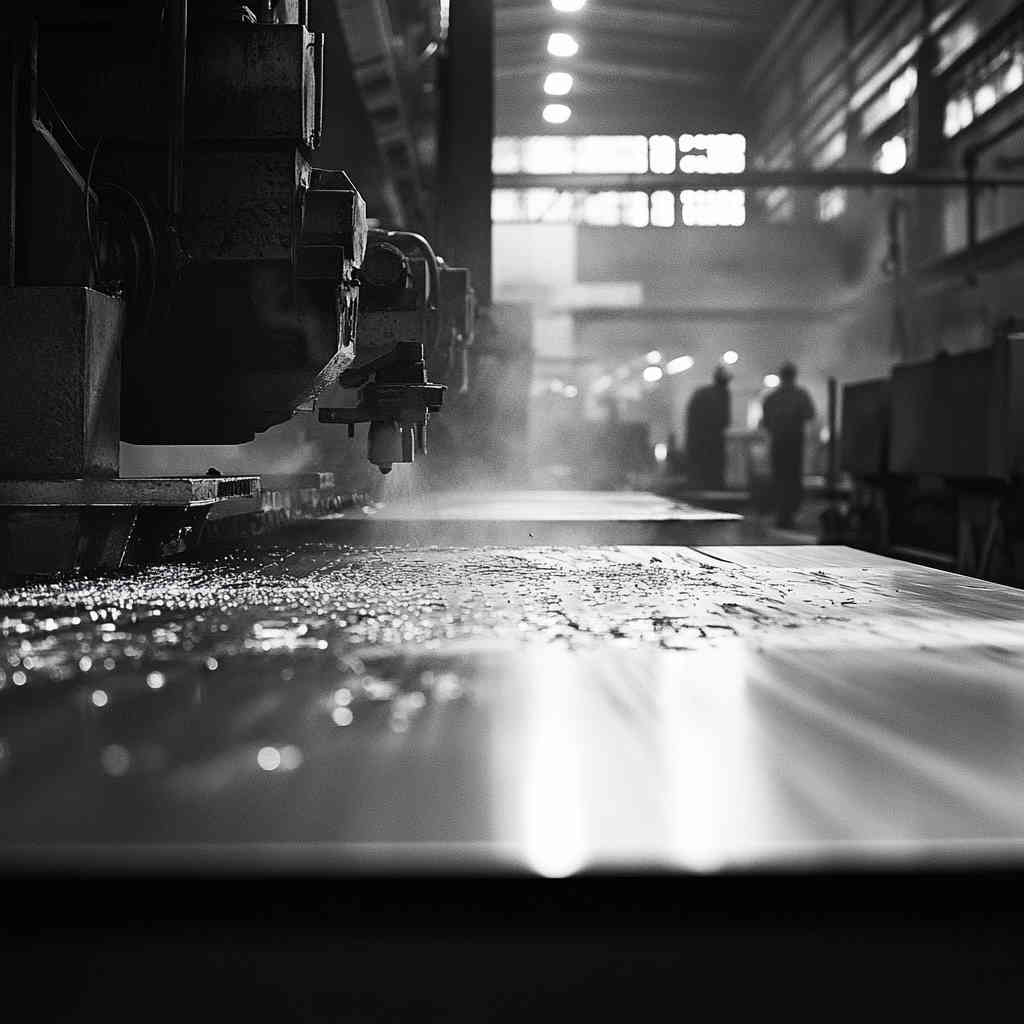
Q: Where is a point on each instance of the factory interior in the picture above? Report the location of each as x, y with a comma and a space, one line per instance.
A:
511, 507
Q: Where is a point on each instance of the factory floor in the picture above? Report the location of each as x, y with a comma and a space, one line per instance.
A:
313, 707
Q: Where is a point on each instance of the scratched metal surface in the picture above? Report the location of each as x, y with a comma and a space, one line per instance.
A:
550, 709
531, 519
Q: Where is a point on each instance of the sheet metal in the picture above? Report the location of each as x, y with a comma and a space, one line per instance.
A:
533, 518
548, 710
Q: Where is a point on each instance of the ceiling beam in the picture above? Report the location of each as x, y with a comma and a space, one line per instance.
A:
608, 69
660, 21
791, 178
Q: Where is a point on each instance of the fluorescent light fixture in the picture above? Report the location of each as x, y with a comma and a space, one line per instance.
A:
730, 358
557, 113
680, 365
772, 380
558, 83
568, 6
561, 44
653, 374
653, 358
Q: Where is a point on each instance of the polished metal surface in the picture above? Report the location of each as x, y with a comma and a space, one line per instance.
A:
533, 518
544, 709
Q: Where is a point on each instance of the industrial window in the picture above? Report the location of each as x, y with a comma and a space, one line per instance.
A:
707, 153
971, 23
778, 205
830, 153
663, 154
892, 155
986, 83
566, 154
832, 204
692, 208
714, 208
892, 101
702, 153
712, 154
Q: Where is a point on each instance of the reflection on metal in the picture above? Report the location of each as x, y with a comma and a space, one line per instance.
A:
543, 709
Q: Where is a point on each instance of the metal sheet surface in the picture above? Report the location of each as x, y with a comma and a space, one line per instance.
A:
533, 518
543, 709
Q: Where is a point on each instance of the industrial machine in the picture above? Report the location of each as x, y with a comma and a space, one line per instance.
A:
177, 271
407, 292
936, 453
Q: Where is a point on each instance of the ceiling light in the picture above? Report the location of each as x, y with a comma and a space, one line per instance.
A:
731, 358
561, 44
680, 365
558, 83
570, 391
653, 374
568, 6
602, 384
653, 358
557, 113
772, 380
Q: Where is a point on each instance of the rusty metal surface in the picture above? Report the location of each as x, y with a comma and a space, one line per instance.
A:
253, 82
547, 709
61, 371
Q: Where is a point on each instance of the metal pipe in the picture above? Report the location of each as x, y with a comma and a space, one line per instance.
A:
427, 252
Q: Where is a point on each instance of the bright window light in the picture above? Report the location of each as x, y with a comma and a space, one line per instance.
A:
557, 113
548, 206
653, 374
635, 210
663, 209
712, 154
602, 209
663, 154
611, 154
568, 6
730, 358
892, 157
561, 44
505, 206
832, 204
548, 154
714, 208
661, 452
680, 365
558, 83
653, 358
772, 380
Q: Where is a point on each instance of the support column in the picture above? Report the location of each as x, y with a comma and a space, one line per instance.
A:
466, 139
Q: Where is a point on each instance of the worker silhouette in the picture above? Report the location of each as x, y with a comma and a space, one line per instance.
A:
786, 412
707, 417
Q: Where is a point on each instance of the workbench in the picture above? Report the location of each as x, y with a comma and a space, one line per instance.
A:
546, 710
